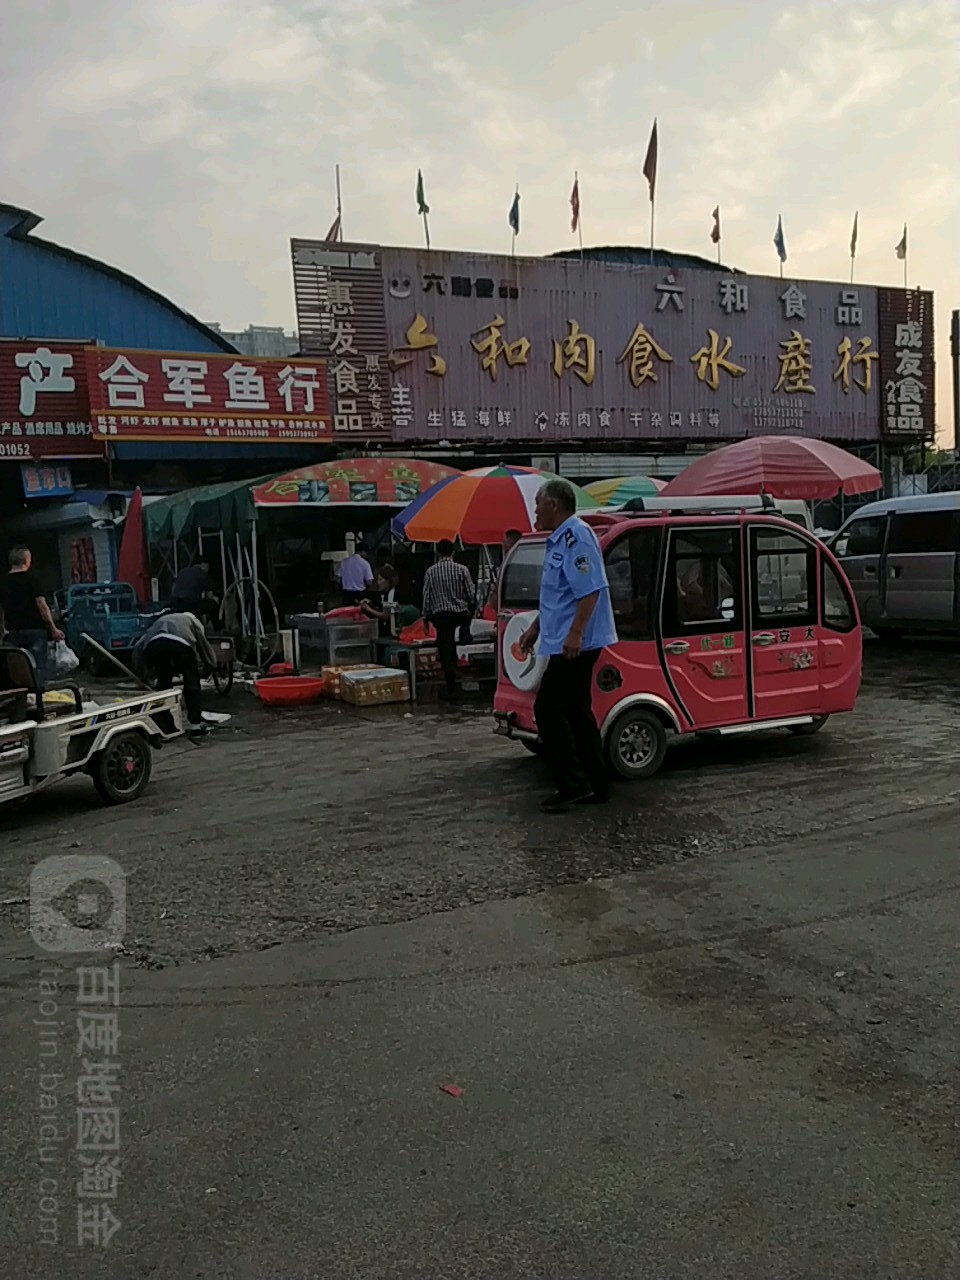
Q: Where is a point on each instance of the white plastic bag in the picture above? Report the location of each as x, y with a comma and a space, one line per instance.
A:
62, 658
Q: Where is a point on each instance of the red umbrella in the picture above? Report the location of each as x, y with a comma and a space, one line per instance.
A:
132, 563
783, 466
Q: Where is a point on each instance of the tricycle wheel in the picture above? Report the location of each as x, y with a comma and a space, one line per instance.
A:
636, 744
122, 769
223, 679
805, 730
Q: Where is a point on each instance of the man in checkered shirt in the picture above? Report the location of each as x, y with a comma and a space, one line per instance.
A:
449, 601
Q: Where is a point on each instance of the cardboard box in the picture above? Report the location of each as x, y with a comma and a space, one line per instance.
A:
374, 688
333, 676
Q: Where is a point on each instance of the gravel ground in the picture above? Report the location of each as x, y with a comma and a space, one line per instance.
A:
287, 826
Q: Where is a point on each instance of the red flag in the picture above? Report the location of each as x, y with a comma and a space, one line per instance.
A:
132, 564
715, 233
575, 204
335, 232
650, 164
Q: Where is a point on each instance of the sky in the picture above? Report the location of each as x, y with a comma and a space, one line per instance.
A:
186, 141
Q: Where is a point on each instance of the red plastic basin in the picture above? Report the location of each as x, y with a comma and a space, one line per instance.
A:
289, 691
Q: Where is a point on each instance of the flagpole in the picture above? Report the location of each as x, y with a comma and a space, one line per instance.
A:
513, 229
339, 204
576, 183
426, 228
718, 252
653, 205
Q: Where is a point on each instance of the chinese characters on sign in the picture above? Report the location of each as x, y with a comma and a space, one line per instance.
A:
479, 347
906, 364
340, 314
44, 406
52, 481
151, 395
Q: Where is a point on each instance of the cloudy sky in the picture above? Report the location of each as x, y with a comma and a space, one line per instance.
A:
186, 140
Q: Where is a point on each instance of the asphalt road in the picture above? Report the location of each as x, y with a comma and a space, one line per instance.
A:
708, 1031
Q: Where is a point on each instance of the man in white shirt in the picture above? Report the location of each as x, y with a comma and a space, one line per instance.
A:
356, 576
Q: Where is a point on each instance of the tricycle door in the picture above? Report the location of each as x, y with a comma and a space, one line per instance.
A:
785, 651
702, 625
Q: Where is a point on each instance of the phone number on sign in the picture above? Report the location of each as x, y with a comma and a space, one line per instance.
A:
15, 451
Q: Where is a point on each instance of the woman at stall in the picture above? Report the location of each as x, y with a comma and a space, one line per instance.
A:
387, 604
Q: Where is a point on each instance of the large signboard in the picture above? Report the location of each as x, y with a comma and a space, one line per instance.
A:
44, 406
907, 364
167, 396
467, 347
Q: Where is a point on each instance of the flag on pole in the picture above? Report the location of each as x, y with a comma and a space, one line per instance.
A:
514, 216
715, 232
422, 206
335, 232
901, 248
650, 163
575, 203
853, 235
779, 241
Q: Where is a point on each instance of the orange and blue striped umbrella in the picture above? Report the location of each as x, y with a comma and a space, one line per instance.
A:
478, 507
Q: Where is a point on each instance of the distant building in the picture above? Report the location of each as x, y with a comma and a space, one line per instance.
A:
261, 340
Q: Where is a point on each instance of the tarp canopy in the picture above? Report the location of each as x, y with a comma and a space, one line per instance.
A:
213, 506
370, 482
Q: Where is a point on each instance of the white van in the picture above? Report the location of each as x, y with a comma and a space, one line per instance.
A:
902, 556
790, 508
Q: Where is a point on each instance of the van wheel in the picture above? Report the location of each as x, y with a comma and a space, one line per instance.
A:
805, 730
636, 744
122, 770
534, 746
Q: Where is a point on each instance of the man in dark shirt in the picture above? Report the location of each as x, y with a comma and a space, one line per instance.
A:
26, 615
193, 590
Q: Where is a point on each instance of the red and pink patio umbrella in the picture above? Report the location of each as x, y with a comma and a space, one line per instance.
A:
783, 466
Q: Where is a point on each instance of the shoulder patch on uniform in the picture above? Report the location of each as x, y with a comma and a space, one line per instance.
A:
569, 538
582, 563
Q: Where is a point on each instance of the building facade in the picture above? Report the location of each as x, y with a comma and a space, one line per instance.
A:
609, 352
261, 340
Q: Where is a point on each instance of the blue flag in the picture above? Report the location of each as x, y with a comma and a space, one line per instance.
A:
514, 216
779, 241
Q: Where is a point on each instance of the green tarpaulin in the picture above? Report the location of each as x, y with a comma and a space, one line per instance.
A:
213, 506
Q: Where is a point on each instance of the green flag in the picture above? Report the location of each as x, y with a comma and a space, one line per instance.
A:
422, 206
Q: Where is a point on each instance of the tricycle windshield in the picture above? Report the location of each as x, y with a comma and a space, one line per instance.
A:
520, 582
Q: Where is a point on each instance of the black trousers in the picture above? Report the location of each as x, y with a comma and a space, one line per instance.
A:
168, 658
572, 748
448, 624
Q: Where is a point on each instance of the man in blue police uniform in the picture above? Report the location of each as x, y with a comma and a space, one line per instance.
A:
575, 622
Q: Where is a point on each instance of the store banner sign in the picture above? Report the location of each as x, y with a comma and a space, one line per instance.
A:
457, 348
46, 481
44, 405
907, 364
169, 396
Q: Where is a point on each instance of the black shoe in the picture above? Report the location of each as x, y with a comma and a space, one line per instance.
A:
560, 803
596, 797
198, 730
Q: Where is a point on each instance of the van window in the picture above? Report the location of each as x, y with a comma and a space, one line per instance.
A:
924, 531
862, 537
632, 573
838, 612
520, 581
784, 574
702, 585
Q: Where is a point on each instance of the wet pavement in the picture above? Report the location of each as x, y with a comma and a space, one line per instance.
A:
709, 1029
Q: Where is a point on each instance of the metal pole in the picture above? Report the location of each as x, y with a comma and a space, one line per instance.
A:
105, 653
339, 204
